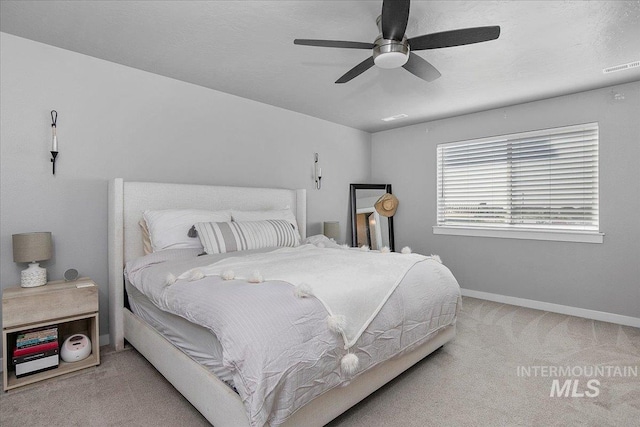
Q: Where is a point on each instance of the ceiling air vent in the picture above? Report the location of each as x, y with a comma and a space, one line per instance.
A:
396, 117
621, 67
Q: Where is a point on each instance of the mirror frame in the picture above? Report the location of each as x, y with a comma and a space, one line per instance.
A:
352, 190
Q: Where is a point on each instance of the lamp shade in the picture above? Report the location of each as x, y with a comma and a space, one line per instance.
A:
332, 229
32, 247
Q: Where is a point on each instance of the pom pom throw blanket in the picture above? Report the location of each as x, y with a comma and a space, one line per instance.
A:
277, 341
356, 285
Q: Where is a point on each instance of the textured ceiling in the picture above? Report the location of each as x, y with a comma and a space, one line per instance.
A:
245, 48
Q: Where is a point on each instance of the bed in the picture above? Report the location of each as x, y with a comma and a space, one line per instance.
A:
219, 403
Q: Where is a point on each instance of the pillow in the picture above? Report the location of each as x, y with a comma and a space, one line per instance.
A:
285, 214
322, 241
231, 236
168, 228
146, 240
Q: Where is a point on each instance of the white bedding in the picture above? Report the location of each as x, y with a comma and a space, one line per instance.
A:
194, 340
354, 273
292, 357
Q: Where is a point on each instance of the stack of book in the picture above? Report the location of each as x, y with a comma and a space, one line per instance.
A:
36, 350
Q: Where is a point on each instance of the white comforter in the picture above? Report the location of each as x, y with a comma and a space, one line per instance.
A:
354, 288
278, 346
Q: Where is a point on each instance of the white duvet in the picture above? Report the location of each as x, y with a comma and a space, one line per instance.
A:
354, 287
277, 346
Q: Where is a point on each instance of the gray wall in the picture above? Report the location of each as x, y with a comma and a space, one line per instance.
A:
603, 277
116, 121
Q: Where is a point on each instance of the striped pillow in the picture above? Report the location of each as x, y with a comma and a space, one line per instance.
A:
221, 237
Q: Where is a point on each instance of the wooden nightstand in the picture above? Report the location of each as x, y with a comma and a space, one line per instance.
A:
72, 306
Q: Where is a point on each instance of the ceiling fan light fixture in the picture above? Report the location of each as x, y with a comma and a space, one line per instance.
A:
390, 53
391, 60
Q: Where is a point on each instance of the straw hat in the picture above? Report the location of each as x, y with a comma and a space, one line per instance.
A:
387, 205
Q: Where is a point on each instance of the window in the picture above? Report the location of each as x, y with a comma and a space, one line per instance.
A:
537, 185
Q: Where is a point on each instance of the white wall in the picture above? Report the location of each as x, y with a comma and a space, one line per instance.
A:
603, 277
116, 121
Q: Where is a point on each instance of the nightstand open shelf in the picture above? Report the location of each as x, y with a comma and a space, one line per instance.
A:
73, 309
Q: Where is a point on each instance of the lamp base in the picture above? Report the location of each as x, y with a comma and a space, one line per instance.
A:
33, 276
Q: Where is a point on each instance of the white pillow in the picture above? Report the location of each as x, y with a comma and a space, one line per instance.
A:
231, 236
321, 241
168, 229
285, 214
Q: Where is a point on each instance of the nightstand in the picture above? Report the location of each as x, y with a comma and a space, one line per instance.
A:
72, 306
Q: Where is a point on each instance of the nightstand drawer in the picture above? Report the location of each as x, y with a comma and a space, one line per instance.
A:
22, 306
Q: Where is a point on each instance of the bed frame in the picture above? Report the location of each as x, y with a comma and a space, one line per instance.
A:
214, 399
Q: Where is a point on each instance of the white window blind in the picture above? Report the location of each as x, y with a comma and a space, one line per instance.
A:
540, 180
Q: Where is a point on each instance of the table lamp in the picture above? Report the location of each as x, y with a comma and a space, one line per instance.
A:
32, 248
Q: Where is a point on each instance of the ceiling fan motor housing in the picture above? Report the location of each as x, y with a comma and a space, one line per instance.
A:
390, 53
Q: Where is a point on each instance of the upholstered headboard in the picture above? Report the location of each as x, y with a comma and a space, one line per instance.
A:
127, 201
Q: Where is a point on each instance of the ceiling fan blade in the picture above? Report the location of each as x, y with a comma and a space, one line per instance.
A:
395, 14
421, 68
454, 38
334, 43
357, 70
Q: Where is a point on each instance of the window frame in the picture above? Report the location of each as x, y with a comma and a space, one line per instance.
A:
516, 231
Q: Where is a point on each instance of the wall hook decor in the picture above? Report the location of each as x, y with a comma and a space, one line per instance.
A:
54, 142
317, 172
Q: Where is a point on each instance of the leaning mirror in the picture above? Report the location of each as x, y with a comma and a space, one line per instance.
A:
368, 227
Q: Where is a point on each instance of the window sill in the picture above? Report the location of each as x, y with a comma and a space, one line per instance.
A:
558, 236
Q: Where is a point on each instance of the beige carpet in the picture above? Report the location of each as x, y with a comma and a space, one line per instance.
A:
472, 381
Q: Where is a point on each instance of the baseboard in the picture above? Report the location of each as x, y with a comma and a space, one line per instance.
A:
555, 308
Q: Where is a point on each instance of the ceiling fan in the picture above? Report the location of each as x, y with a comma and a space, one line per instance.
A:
392, 48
